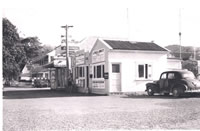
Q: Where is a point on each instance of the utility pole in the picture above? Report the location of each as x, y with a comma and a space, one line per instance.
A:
67, 62
194, 53
180, 33
180, 45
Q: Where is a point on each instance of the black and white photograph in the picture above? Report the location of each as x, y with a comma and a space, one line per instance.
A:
100, 65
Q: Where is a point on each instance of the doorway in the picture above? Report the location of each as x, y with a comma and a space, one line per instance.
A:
116, 77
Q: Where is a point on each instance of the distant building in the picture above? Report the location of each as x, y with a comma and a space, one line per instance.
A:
51, 66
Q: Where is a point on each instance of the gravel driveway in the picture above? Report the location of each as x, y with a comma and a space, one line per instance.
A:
41, 109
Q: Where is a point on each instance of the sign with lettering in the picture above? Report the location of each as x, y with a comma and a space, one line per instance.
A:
100, 84
106, 75
98, 56
80, 57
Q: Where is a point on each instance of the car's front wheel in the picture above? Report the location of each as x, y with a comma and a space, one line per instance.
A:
150, 92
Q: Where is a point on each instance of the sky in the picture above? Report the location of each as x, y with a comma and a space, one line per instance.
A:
135, 20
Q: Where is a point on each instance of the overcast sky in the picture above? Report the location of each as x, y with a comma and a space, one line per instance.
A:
135, 20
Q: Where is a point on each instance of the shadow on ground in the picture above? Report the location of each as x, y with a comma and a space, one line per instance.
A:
158, 96
40, 93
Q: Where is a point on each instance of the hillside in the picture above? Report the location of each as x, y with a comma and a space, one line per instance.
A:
187, 51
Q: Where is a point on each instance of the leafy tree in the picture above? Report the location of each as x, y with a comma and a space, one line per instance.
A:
186, 51
18, 51
187, 55
11, 53
191, 66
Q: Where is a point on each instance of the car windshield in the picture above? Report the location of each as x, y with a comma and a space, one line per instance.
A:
188, 75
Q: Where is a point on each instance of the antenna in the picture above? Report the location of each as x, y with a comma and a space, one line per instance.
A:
128, 24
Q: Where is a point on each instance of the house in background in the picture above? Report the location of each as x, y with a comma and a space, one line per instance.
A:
26, 74
57, 65
121, 66
51, 66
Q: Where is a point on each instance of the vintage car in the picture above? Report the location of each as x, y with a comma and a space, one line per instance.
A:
39, 83
175, 82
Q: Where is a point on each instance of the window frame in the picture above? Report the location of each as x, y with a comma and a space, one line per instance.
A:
95, 71
116, 70
147, 71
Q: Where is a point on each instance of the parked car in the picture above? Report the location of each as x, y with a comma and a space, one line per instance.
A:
39, 83
175, 82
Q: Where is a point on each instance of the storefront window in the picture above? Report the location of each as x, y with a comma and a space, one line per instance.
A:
94, 71
98, 71
81, 72
46, 75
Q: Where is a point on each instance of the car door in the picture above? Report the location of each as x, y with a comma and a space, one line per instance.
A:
163, 82
171, 80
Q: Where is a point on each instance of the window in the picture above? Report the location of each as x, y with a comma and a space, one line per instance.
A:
94, 71
141, 71
144, 71
81, 71
171, 76
76, 72
46, 75
115, 68
98, 71
164, 76
103, 70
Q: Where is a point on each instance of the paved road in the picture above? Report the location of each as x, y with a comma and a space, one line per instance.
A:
41, 109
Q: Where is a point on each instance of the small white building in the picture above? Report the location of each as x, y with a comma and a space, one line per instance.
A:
122, 66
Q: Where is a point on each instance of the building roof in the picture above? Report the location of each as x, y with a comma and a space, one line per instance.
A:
128, 45
88, 43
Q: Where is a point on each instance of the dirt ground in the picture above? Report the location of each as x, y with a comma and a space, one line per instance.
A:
36, 109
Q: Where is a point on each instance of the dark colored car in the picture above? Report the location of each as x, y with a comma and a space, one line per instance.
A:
39, 83
175, 82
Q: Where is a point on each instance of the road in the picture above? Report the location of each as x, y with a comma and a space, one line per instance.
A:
42, 109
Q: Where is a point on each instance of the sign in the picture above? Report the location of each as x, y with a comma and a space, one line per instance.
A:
98, 56
75, 48
106, 75
80, 57
98, 84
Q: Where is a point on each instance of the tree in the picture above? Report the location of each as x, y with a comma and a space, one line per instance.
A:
191, 66
186, 51
17, 51
11, 53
